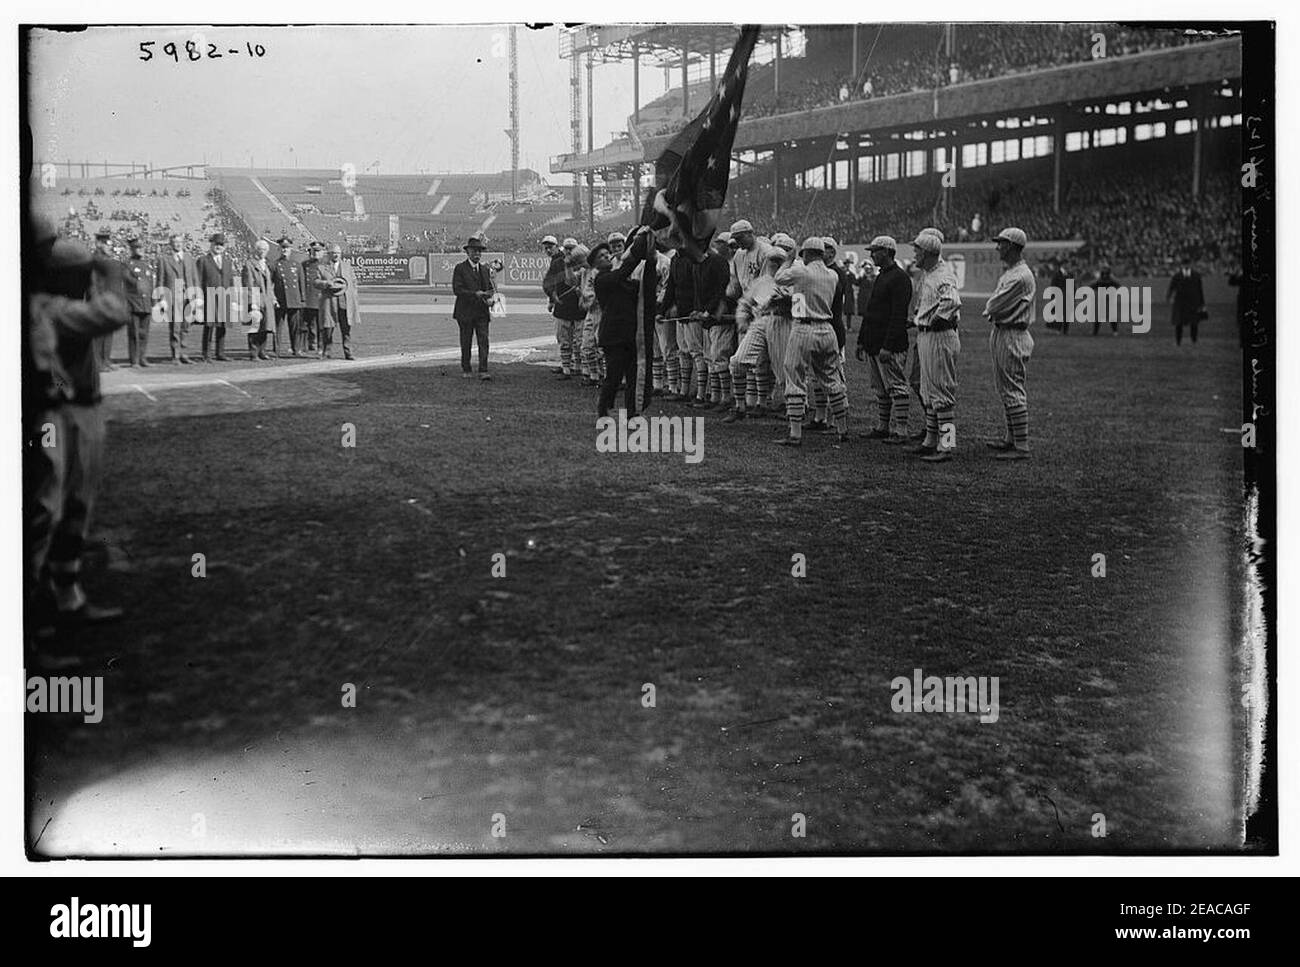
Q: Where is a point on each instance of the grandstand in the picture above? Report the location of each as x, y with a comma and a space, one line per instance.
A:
433, 212
1124, 139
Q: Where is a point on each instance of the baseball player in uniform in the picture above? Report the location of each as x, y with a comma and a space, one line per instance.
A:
746, 267
938, 313
1011, 312
882, 342
751, 366
593, 357
819, 421
813, 345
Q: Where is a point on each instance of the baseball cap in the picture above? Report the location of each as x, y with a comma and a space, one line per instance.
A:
579, 253
928, 242
103, 233
570, 242
741, 226
616, 237
1013, 235
932, 231
830, 245
723, 237
884, 241
549, 240
782, 240
813, 242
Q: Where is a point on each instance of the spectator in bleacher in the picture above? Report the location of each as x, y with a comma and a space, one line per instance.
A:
337, 304
260, 292
177, 275
287, 282
141, 284
107, 275
217, 280
472, 287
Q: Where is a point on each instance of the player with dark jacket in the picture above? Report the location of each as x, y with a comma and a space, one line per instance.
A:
617, 294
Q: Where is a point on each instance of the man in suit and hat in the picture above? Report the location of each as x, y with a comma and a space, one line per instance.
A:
290, 296
336, 301
107, 275
471, 283
177, 275
217, 279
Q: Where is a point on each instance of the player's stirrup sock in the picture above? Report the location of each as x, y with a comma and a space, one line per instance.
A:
839, 407
884, 407
1018, 422
724, 383
931, 428
713, 388
794, 416
673, 370
701, 381
657, 371
899, 409
947, 425
763, 387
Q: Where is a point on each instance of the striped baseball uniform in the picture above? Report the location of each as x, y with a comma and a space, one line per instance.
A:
813, 344
751, 366
593, 357
938, 313
1011, 311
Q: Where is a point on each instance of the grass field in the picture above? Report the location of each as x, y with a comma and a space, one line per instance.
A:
516, 701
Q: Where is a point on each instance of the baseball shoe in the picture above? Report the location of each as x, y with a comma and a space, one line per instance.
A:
895, 439
876, 435
1012, 454
938, 456
657, 391
916, 437
557, 370
921, 448
485, 377
467, 375
789, 441
563, 377
999, 444
818, 426
735, 416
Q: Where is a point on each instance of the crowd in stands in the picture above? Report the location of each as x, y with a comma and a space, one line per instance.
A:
912, 60
1142, 222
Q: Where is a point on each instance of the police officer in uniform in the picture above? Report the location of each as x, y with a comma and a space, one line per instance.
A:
290, 297
309, 323
141, 282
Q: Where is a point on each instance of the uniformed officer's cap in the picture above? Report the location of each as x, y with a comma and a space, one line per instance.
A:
550, 240
883, 241
218, 239
782, 240
134, 240
741, 226
103, 233
1013, 235
316, 246
285, 242
813, 243
927, 242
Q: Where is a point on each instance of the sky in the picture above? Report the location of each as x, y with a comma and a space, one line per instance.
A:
413, 98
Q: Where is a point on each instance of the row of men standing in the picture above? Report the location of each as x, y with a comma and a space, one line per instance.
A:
787, 306
294, 306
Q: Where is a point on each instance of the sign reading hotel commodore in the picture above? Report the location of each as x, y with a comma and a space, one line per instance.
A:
380, 268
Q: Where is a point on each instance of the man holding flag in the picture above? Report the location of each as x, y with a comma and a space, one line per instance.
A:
691, 179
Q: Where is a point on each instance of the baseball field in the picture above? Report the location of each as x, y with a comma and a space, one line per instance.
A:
472, 633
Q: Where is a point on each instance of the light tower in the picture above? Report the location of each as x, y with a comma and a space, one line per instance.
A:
513, 131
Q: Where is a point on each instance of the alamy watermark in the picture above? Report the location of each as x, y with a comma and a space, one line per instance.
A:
653, 434
930, 693
1127, 304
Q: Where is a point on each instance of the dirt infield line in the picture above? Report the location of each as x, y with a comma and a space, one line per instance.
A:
116, 382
